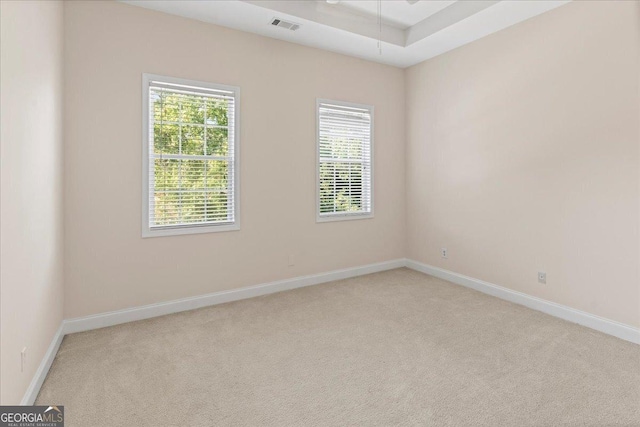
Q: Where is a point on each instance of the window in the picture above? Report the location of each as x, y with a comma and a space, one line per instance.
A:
190, 157
345, 166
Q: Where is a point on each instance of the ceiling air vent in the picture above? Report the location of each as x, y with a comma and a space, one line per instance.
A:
285, 24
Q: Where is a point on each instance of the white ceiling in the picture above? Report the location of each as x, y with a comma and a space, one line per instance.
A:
400, 13
410, 33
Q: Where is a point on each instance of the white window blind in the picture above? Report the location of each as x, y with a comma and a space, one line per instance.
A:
344, 160
191, 157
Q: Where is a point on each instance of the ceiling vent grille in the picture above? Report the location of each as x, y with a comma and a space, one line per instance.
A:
285, 24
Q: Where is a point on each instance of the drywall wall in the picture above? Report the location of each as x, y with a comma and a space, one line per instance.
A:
31, 225
522, 156
108, 265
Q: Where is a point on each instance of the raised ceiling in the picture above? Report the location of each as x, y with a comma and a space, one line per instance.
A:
409, 33
400, 13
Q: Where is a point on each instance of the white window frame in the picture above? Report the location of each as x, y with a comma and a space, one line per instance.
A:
147, 230
343, 216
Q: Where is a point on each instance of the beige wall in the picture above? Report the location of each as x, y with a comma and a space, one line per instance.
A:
522, 155
31, 246
108, 265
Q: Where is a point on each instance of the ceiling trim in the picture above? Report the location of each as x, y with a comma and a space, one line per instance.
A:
446, 17
332, 16
331, 28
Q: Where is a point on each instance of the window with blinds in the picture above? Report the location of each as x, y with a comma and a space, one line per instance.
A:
190, 158
344, 160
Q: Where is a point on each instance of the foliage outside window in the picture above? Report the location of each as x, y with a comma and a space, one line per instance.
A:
191, 156
344, 160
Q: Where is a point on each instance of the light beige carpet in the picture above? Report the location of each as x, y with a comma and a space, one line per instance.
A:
393, 348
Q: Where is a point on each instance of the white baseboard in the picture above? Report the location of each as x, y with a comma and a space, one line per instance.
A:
112, 318
42, 371
153, 310
620, 330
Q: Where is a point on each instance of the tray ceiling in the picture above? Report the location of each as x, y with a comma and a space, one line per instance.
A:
409, 32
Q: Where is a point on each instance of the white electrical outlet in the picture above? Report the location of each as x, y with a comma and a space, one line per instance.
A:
542, 277
444, 253
23, 359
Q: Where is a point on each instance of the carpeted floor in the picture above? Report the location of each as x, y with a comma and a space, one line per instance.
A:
392, 348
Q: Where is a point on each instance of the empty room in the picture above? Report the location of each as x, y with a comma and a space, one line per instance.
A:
319, 213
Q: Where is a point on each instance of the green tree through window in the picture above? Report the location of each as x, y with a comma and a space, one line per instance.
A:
344, 152
191, 157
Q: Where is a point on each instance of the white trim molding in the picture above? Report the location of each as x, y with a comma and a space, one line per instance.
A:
154, 310
112, 318
42, 371
607, 326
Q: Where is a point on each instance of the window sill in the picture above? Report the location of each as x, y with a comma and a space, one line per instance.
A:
343, 217
200, 229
